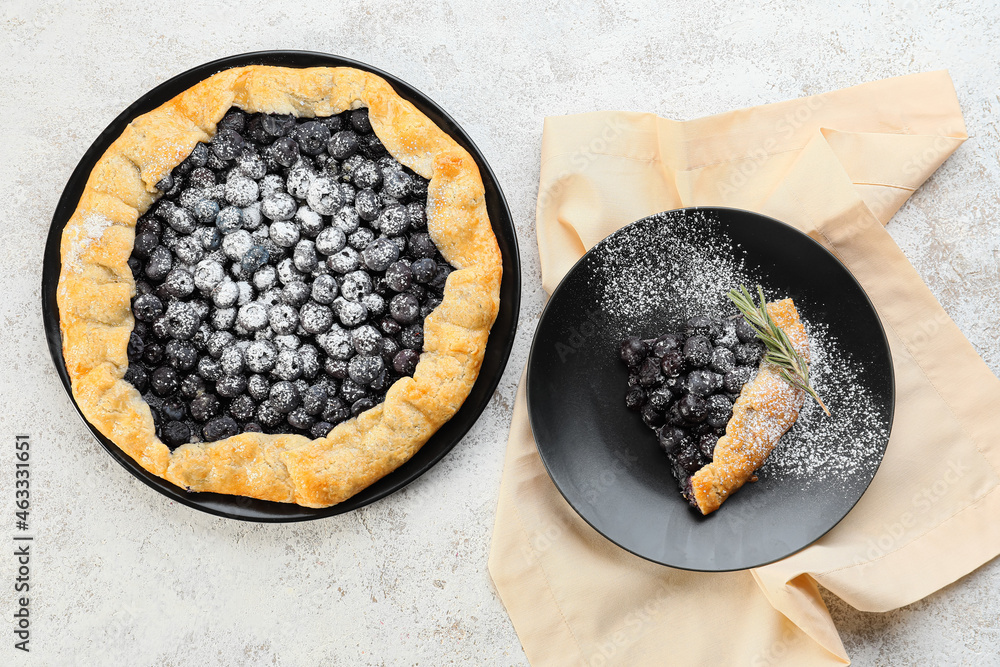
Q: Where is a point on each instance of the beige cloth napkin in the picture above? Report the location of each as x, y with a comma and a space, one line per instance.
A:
837, 166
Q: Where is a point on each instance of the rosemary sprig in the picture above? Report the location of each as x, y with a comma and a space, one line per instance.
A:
780, 352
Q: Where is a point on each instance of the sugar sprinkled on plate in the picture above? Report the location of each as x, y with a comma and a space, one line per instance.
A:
655, 276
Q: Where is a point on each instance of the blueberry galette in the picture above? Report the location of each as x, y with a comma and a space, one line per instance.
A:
718, 397
279, 284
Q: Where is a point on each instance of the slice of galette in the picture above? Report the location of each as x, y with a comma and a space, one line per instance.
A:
717, 405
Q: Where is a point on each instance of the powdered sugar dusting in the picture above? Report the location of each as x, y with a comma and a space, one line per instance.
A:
654, 276
83, 234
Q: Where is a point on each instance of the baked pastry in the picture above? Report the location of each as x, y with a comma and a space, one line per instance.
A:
249, 301
717, 405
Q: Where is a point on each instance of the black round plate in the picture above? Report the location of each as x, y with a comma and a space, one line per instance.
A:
607, 463
497, 350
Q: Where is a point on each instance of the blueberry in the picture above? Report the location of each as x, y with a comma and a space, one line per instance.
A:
137, 376
288, 365
405, 361
394, 220
748, 353
209, 369
182, 320
634, 398
722, 360
399, 276
368, 205
324, 289
698, 351
396, 183
312, 136
144, 244
309, 222
424, 270
355, 285
287, 273
220, 428
164, 381
325, 195
160, 263
702, 382
147, 308
242, 408
166, 183
278, 125
412, 336
362, 404
181, 354
175, 433
421, 245
210, 238
344, 261
331, 240
284, 396
191, 386
745, 332
370, 146
235, 120
283, 318
173, 409
693, 408
734, 380
279, 206
706, 445
284, 233
267, 415
198, 156
720, 410
649, 372
670, 439
652, 417
366, 340
335, 368
304, 256
700, 325
207, 274
632, 350
265, 277
254, 258
258, 387
135, 347
440, 277
404, 308
660, 398
335, 411
343, 144
241, 191
390, 327
218, 342
203, 407
314, 399
361, 238
227, 144
346, 219
261, 356
202, 178
252, 316
316, 318
320, 429
153, 354
284, 151
231, 386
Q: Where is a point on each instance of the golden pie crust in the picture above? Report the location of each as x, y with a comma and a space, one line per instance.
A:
766, 408
96, 287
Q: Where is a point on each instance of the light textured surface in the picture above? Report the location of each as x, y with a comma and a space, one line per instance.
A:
123, 576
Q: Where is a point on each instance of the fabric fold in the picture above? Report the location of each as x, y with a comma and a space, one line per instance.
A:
837, 166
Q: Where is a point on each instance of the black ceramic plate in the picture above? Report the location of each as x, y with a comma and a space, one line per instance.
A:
497, 350
642, 280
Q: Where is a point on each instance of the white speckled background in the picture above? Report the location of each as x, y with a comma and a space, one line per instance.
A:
124, 577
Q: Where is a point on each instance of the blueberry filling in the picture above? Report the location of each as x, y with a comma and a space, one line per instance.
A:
683, 385
282, 279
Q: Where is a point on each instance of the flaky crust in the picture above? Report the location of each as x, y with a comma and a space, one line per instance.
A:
766, 408
96, 287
